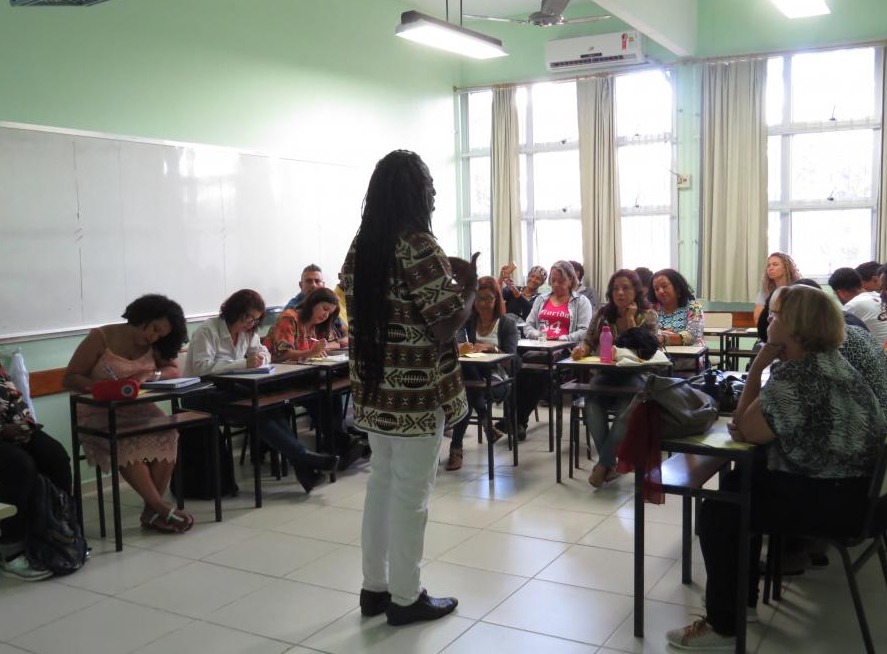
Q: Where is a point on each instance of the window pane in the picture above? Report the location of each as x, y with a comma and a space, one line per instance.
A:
645, 242
479, 172
556, 183
774, 233
643, 104
825, 240
557, 240
644, 177
838, 84
775, 97
554, 112
480, 108
479, 234
774, 168
832, 164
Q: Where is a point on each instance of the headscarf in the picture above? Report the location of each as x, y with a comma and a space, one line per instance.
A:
539, 270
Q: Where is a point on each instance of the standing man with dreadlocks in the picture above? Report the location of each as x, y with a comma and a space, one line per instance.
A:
406, 300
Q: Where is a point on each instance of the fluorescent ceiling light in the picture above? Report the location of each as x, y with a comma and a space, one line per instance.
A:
446, 36
802, 8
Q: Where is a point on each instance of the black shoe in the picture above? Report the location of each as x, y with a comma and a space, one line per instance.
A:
374, 602
318, 461
307, 476
353, 453
522, 433
424, 608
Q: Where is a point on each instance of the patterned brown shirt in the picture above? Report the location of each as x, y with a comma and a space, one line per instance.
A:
420, 374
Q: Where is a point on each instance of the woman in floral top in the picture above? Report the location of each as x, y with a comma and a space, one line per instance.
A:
679, 312
302, 333
25, 452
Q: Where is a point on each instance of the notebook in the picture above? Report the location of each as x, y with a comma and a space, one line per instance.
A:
250, 371
177, 382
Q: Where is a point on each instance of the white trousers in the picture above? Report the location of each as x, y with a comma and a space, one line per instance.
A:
395, 512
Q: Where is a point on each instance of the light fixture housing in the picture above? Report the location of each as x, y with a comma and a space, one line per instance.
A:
442, 35
802, 8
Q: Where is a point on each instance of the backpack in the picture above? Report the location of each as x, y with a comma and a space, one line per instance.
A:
195, 447
55, 540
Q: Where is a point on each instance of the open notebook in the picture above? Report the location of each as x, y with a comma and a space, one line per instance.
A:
177, 382
250, 371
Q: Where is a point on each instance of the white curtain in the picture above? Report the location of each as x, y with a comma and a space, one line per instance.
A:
882, 198
505, 181
599, 182
734, 179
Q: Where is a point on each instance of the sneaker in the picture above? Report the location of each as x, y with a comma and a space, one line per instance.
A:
699, 635
20, 568
424, 608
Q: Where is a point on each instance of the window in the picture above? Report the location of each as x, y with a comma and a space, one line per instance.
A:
823, 118
549, 171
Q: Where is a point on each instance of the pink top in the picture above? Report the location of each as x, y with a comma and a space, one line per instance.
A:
558, 319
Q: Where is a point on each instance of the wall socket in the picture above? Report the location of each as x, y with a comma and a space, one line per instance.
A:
683, 181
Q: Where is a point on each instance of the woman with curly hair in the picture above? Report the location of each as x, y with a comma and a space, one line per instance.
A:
678, 312
780, 271
143, 348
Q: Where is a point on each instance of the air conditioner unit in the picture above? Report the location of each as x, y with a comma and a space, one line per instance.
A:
54, 3
597, 51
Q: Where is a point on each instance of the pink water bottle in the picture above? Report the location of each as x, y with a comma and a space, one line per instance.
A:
606, 345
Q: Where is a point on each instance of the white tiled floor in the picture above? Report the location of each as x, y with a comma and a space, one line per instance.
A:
537, 567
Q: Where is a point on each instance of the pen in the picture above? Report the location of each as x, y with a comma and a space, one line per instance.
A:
110, 372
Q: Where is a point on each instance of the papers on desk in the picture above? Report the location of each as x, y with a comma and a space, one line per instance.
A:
178, 382
473, 355
250, 371
719, 439
332, 358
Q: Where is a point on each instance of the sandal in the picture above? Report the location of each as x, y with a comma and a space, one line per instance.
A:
175, 522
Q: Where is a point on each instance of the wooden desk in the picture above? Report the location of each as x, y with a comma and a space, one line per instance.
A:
732, 350
742, 454
112, 432
258, 399
487, 363
553, 351
693, 353
582, 369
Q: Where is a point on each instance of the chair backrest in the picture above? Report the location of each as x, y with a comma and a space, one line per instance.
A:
876, 512
718, 319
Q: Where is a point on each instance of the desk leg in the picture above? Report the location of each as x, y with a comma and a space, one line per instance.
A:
551, 400
115, 495
639, 551
512, 409
742, 568
177, 471
488, 399
254, 453
217, 472
559, 428
75, 455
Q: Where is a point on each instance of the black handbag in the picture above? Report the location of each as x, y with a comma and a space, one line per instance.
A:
724, 389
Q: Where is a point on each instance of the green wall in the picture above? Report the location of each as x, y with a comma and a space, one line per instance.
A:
319, 81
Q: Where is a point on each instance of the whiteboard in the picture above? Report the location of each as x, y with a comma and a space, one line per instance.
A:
90, 222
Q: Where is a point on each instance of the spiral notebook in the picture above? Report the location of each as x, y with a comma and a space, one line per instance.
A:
177, 382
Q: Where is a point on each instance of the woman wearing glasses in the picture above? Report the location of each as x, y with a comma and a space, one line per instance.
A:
231, 342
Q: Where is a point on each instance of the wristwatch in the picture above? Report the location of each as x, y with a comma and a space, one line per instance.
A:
157, 375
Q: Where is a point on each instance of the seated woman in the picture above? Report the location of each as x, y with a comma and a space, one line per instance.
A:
143, 348
678, 312
822, 429
519, 299
25, 451
489, 329
302, 333
626, 308
561, 315
779, 271
229, 342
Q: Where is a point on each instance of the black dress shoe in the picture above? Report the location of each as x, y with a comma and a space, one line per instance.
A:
374, 602
424, 608
308, 477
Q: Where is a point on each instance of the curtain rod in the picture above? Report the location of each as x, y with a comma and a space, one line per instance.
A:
676, 62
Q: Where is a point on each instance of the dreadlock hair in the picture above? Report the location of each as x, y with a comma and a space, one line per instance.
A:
398, 202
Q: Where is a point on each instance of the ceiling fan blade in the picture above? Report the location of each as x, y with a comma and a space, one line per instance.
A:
554, 7
587, 19
493, 18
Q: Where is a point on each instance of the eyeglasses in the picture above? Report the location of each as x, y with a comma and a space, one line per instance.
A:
772, 314
485, 299
252, 322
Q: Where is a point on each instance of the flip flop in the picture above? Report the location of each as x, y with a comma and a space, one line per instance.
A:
175, 522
